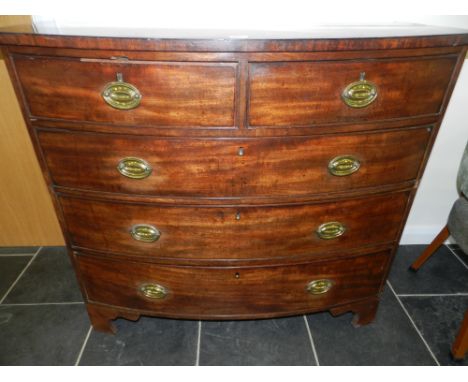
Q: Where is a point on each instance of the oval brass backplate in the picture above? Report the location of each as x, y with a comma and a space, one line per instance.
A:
360, 93
343, 165
154, 291
134, 168
319, 286
330, 230
145, 232
121, 95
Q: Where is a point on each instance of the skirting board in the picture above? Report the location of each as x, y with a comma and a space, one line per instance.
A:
421, 235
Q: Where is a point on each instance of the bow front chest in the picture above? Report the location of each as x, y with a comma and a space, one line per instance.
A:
232, 179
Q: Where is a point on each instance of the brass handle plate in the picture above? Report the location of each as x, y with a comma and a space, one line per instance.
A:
343, 165
121, 95
134, 168
154, 291
330, 230
360, 93
145, 232
320, 286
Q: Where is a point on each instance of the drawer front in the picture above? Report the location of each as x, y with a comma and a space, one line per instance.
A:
193, 292
232, 233
307, 93
174, 94
233, 167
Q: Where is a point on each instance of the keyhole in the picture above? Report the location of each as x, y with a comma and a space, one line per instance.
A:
240, 152
237, 275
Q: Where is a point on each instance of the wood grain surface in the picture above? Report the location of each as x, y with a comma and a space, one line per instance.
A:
213, 167
232, 232
172, 94
27, 215
225, 293
308, 93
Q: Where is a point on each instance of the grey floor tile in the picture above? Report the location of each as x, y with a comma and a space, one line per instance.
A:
390, 340
42, 334
18, 250
461, 255
10, 268
438, 319
149, 341
442, 273
49, 278
272, 342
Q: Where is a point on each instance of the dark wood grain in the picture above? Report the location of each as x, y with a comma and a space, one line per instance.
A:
233, 45
213, 167
173, 94
238, 237
307, 93
216, 232
231, 292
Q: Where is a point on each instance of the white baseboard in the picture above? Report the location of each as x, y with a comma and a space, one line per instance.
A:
421, 235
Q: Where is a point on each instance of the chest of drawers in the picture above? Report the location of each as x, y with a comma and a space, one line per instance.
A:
232, 179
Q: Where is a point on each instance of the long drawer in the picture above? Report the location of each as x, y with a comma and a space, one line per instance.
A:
307, 93
158, 231
231, 292
233, 167
173, 94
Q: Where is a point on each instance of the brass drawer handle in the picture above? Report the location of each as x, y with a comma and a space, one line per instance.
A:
121, 95
319, 286
343, 165
330, 230
134, 168
154, 291
360, 93
145, 232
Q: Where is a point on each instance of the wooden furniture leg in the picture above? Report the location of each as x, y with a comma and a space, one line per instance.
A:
436, 243
101, 317
364, 311
460, 345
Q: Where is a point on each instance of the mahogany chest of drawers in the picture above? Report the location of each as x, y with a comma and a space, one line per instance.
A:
232, 179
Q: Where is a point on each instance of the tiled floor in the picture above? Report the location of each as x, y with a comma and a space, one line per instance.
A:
43, 322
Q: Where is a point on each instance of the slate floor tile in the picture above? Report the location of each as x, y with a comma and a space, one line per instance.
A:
10, 268
18, 250
271, 342
390, 340
441, 274
149, 341
53, 272
438, 319
42, 334
461, 255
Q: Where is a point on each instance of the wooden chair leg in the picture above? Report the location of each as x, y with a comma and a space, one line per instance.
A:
460, 345
436, 243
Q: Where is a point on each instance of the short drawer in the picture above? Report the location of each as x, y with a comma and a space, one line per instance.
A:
233, 167
173, 94
285, 94
231, 292
175, 232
